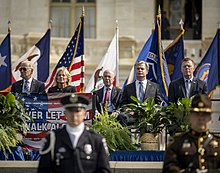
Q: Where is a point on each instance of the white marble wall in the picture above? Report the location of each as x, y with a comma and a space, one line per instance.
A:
25, 16
210, 17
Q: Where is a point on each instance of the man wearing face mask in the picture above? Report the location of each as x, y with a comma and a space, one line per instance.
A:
195, 151
27, 84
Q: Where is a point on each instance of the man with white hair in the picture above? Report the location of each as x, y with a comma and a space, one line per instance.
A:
108, 96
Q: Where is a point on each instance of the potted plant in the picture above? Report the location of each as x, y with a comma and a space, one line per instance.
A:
117, 137
12, 122
178, 113
149, 119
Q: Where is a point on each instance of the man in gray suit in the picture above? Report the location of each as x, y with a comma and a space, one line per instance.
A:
27, 84
141, 88
188, 85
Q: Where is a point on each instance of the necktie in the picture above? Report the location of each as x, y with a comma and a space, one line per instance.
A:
26, 86
187, 88
141, 91
107, 93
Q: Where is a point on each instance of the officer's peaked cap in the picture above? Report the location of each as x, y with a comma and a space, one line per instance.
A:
201, 103
75, 101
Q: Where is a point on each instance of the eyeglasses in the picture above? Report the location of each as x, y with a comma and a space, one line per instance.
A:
22, 69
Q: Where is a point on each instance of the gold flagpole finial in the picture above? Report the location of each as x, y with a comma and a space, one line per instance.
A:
9, 26
159, 10
83, 11
50, 23
181, 25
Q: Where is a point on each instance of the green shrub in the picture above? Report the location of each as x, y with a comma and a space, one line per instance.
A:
12, 121
117, 137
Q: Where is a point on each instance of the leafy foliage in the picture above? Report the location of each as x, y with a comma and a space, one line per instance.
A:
117, 137
178, 113
149, 117
12, 121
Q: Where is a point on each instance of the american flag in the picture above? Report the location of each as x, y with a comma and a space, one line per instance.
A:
73, 59
47, 114
5, 64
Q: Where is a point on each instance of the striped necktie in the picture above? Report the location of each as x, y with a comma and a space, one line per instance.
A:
141, 91
26, 86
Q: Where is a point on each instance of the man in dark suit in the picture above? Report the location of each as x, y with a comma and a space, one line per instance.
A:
188, 85
141, 88
74, 148
108, 94
27, 84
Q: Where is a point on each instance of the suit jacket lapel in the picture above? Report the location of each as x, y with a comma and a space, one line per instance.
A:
113, 94
193, 87
182, 87
82, 137
148, 86
20, 85
101, 94
66, 138
32, 85
133, 90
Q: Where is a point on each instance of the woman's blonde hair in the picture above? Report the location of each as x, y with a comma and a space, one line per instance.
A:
66, 72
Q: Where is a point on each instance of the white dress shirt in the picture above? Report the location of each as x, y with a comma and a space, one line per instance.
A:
144, 83
29, 84
75, 133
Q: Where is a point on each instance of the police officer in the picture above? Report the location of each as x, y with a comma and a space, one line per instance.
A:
196, 151
74, 148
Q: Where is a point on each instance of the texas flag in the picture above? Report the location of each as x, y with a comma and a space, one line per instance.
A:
39, 55
5, 64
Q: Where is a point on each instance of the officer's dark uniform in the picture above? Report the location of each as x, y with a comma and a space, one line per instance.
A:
89, 155
186, 152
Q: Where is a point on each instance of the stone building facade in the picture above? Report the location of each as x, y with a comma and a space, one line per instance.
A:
29, 21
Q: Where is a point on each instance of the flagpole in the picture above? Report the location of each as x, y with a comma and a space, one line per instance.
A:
181, 26
50, 23
160, 49
117, 55
178, 37
9, 26
82, 87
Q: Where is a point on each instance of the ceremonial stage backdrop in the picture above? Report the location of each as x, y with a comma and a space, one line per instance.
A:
47, 114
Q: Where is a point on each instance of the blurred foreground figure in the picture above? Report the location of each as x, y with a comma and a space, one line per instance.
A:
74, 148
196, 151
